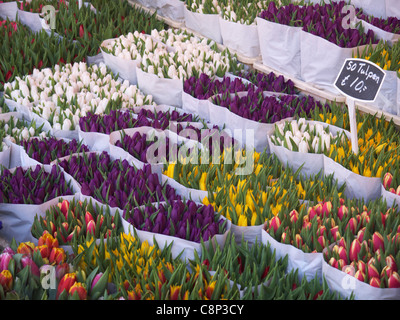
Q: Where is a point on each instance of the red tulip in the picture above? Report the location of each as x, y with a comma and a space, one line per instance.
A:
321, 231
386, 271
387, 180
394, 280
390, 262
375, 282
88, 217
64, 206
26, 248
66, 283
348, 270
343, 254
333, 262
44, 251
359, 275
318, 209
342, 212
48, 240
57, 256
61, 270
335, 232
312, 213
377, 241
342, 243
79, 289
341, 263
91, 227
299, 241
372, 272
360, 234
361, 266
355, 248
321, 241
352, 224
294, 216
326, 209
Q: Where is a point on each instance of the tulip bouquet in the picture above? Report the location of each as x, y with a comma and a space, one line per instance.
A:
17, 130
182, 219
38, 50
389, 24
189, 56
116, 183
289, 287
204, 87
21, 266
267, 109
49, 149
75, 221
131, 46
324, 21
247, 266
314, 228
300, 136
371, 255
89, 28
33, 185
61, 95
201, 174
377, 148
383, 54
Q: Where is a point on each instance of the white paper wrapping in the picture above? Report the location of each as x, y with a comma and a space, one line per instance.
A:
357, 186
345, 285
250, 234
253, 134
280, 47
126, 69
195, 106
184, 192
321, 60
392, 8
172, 9
8, 10
18, 218
204, 24
398, 96
240, 37
179, 246
376, 8
390, 197
32, 20
95, 141
163, 90
379, 33
386, 100
309, 264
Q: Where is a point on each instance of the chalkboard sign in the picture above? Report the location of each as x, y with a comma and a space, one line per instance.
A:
360, 79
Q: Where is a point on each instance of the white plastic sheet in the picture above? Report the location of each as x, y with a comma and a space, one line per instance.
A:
8, 10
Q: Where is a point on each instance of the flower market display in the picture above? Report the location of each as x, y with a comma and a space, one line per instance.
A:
146, 155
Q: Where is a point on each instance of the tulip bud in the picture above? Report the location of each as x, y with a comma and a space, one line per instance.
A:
361, 266
333, 262
5, 259
79, 289
294, 215
57, 256
390, 262
360, 234
44, 251
321, 241
26, 248
298, 240
372, 272
283, 238
326, 208
312, 213
275, 223
386, 271
342, 212
387, 180
88, 217
359, 275
340, 264
6, 280
321, 231
355, 248
377, 241
91, 227
398, 191
375, 282
64, 206
352, 224
335, 233
348, 270
66, 283
394, 280
48, 240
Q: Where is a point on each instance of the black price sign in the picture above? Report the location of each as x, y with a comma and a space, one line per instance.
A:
360, 79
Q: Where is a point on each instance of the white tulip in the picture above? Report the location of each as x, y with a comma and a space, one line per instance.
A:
67, 124
303, 146
57, 126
